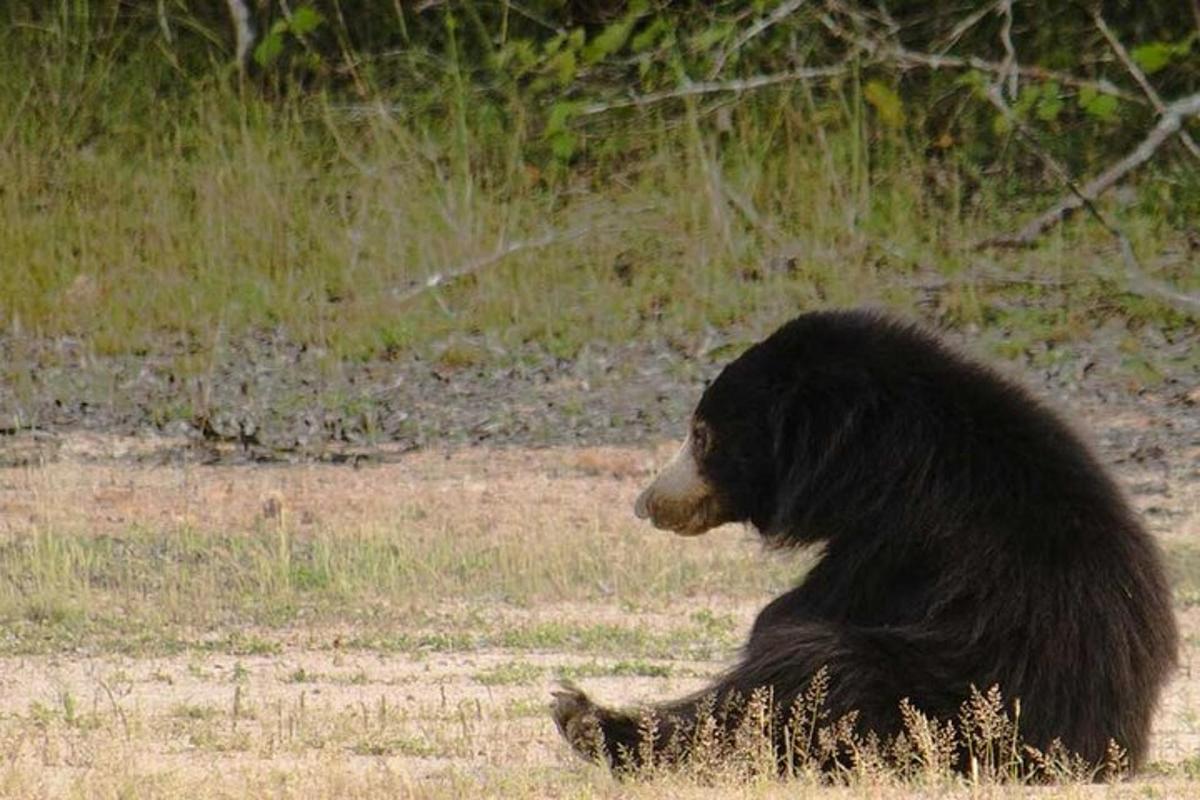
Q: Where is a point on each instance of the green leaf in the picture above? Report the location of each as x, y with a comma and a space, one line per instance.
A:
563, 66
1153, 56
886, 102
645, 40
551, 45
1027, 100
305, 19
1100, 106
975, 81
609, 40
1049, 103
562, 145
560, 115
269, 48
706, 39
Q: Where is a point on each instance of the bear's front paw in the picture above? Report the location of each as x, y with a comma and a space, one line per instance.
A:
578, 720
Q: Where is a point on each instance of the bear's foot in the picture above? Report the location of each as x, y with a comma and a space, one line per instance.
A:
578, 720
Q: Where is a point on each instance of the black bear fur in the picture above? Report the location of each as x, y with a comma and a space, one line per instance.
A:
970, 539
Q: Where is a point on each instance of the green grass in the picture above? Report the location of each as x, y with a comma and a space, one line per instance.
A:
173, 589
167, 588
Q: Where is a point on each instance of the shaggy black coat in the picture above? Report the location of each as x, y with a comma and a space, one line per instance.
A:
970, 539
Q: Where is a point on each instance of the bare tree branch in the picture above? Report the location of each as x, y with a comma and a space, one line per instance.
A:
1139, 281
784, 9
1142, 283
904, 58
1140, 76
1168, 125
713, 87
882, 51
910, 58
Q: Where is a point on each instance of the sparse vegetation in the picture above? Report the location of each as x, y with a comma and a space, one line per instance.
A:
167, 587
445, 184
159, 675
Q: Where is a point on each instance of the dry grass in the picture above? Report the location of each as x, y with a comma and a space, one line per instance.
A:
197, 551
166, 634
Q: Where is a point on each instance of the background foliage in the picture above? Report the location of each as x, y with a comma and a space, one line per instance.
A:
155, 182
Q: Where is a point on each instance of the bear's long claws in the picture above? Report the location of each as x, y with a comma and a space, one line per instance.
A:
578, 720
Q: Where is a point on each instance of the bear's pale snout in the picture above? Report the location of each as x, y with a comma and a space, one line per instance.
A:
679, 499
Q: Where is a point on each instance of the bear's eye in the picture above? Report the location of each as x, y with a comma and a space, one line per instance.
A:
699, 438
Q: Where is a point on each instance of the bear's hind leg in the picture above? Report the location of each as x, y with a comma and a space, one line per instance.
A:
779, 664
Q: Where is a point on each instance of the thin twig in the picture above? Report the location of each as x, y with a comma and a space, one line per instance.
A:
897, 54
967, 23
904, 58
714, 87
892, 25
243, 31
536, 18
1142, 283
1140, 76
747, 210
909, 58
164, 24
502, 251
784, 9
1010, 52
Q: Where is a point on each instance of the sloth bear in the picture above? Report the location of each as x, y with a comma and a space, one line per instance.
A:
970, 540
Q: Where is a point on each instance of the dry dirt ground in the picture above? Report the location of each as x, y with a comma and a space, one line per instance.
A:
317, 709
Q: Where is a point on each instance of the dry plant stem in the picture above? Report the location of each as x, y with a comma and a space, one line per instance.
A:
1140, 76
746, 208
781, 11
243, 30
502, 251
